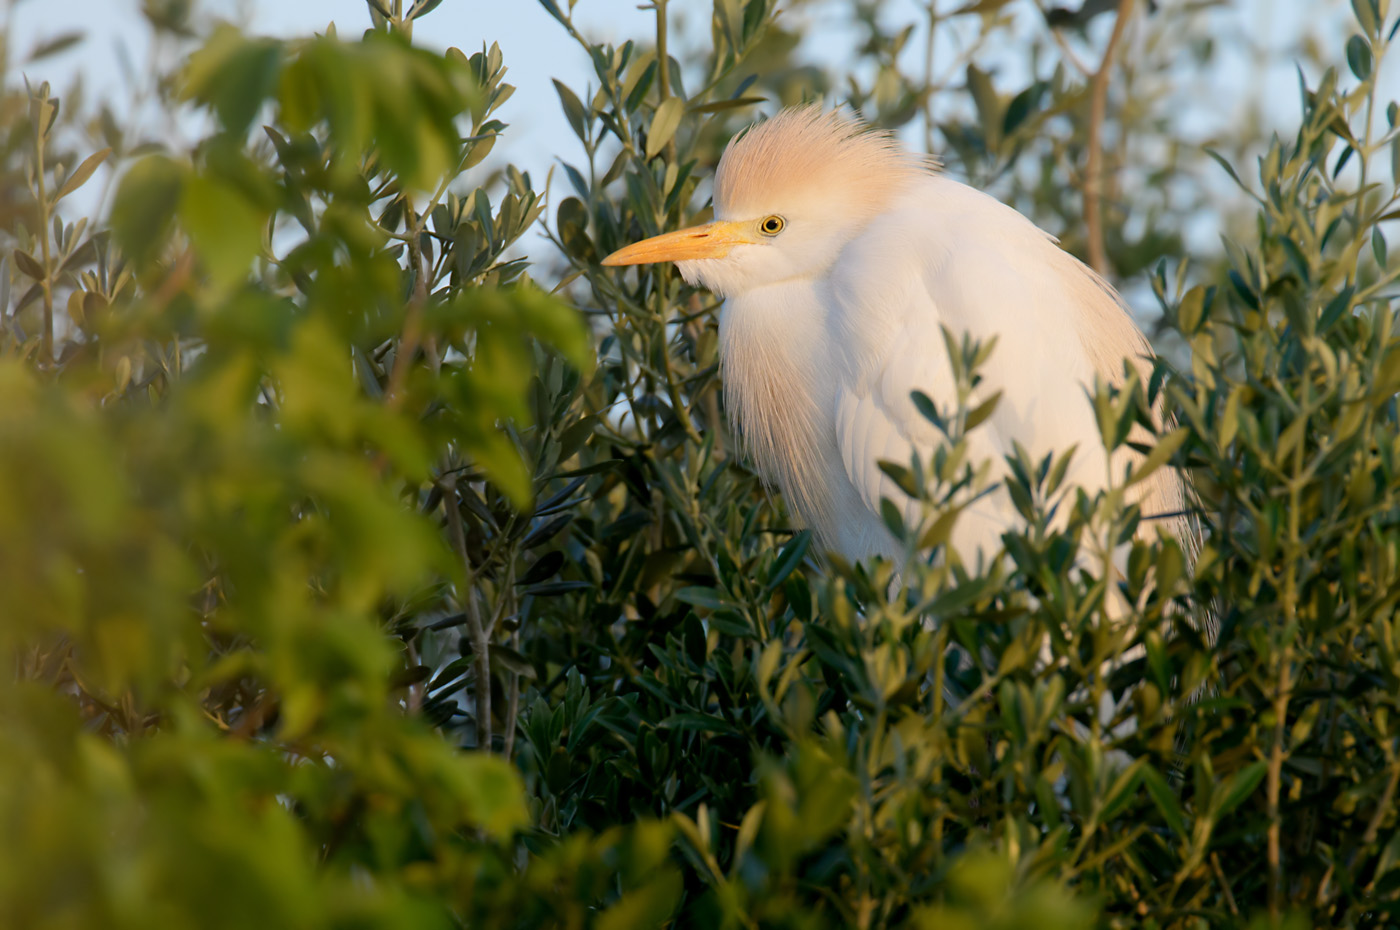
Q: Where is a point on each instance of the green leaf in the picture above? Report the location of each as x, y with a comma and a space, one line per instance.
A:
144, 207
748, 830
1229, 169
1395, 157
982, 411
927, 409
29, 265
224, 227
701, 723
234, 75
1120, 793
664, 125
512, 661
493, 795
1166, 800
708, 598
988, 103
901, 476
1303, 726
557, 324
422, 8
59, 43
1359, 57
573, 110
552, 8
789, 557
80, 174
1367, 15
500, 459
1022, 106
1161, 453
893, 518
477, 150
1296, 259
1237, 787
719, 106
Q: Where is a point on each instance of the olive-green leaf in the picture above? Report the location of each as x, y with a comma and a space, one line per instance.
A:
145, 206
80, 174
225, 228
1160, 454
29, 265
664, 124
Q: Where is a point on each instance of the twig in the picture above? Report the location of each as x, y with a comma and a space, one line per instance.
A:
416, 689
663, 70
1224, 885
413, 320
1093, 165
928, 74
40, 132
1383, 807
709, 400
1274, 785
512, 704
481, 646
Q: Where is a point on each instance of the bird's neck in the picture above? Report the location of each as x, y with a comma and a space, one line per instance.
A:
779, 390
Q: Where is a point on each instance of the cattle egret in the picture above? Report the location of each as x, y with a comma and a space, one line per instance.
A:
840, 256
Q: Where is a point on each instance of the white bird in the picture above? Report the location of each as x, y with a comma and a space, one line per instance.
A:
840, 256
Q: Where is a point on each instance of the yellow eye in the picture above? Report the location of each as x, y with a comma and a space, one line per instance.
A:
772, 225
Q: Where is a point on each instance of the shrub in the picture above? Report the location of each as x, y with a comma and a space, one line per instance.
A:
354, 578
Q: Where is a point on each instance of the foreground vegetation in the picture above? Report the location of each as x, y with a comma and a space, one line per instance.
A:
367, 560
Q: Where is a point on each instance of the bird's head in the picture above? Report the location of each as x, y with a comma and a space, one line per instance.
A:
788, 195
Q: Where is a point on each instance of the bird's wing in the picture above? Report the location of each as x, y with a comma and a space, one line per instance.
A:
984, 271
879, 422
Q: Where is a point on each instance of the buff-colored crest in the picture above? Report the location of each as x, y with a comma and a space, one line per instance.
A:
803, 152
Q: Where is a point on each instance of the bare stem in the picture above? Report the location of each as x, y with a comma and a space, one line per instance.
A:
663, 70
1273, 787
476, 630
1383, 807
1224, 884
415, 690
1093, 165
413, 317
512, 704
47, 282
928, 74
1274, 784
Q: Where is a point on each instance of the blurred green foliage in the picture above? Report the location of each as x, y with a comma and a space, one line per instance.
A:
352, 578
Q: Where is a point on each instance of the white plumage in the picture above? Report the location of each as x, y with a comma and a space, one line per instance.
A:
840, 257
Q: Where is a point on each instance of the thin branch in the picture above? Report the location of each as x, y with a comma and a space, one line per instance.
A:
412, 333
1224, 884
1093, 165
663, 70
512, 703
928, 74
1273, 786
481, 645
417, 689
40, 132
709, 399
1383, 807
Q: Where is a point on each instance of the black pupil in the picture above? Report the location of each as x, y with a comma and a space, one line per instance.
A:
771, 224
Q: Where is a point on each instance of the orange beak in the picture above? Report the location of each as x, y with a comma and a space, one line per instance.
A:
713, 240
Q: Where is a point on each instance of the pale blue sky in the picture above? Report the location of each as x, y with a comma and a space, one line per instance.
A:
537, 49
